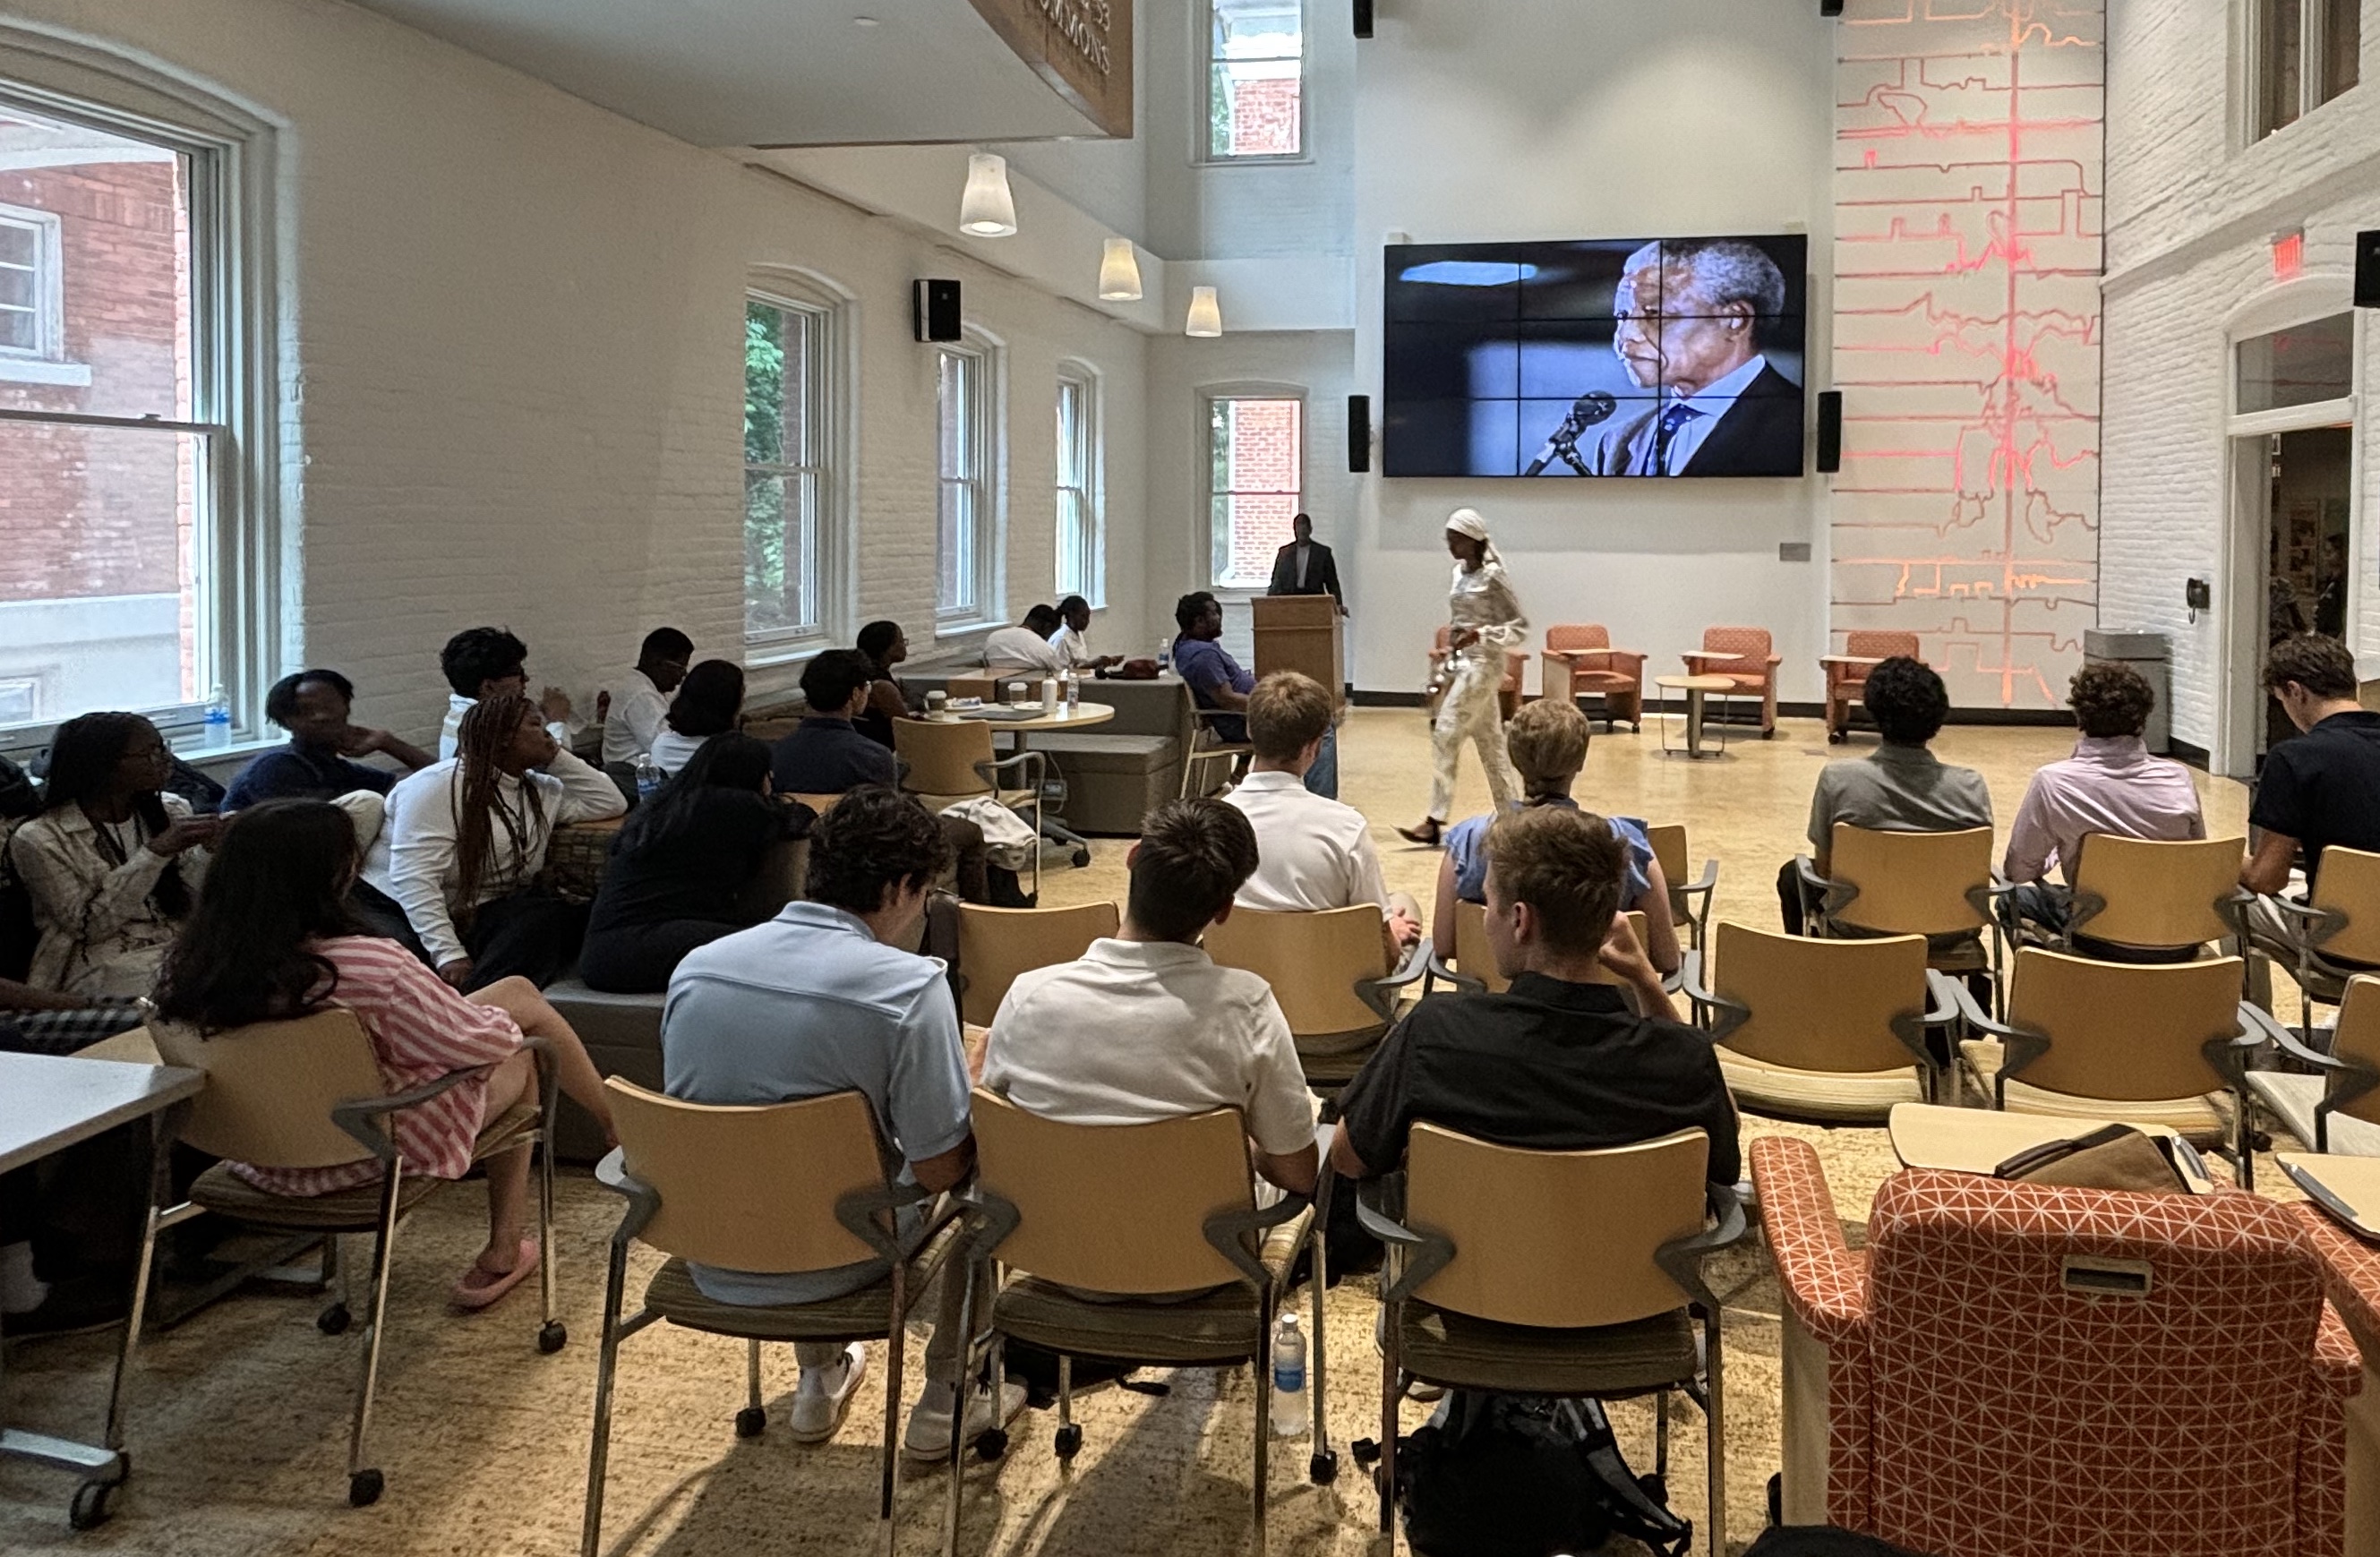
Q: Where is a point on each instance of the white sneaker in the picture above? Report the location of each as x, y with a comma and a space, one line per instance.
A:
929, 1433
21, 1291
824, 1395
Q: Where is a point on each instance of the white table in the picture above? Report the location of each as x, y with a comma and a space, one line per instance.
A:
48, 1104
1696, 689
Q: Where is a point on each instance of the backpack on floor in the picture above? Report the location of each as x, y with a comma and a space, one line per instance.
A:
1522, 1476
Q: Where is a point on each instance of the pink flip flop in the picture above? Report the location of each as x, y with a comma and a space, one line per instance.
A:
483, 1287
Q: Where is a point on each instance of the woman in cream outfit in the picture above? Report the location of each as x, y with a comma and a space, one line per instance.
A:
1486, 620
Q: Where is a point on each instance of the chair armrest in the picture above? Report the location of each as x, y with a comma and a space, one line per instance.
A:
2018, 1047
2350, 1268
359, 1117
1421, 1255
612, 1174
1822, 1277
1380, 994
2270, 1028
1226, 1230
1708, 882
859, 1210
1683, 1258
1690, 984
1628, 660
1465, 983
1038, 761
1942, 994
2337, 1361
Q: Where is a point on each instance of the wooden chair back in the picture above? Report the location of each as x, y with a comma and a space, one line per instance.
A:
942, 758
1115, 1208
1911, 883
750, 1187
2358, 1040
996, 944
1669, 843
2349, 884
2157, 893
1819, 1005
1474, 960
984, 687
1557, 1240
2127, 1032
271, 1087
1311, 960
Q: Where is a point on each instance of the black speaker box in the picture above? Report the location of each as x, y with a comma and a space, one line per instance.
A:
935, 304
1830, 430
1359, 433
2367, 270
1362, 18
1831, 8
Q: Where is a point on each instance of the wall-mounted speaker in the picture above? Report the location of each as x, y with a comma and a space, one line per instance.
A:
1362, 18
935, 307
1830, 430
1359, 433
2367, 270
1831, 8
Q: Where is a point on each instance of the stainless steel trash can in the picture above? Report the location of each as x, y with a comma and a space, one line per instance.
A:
2152, 655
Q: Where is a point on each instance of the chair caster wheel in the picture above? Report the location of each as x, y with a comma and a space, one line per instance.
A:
1070, 1440
553, 1336
1655, 1486
90, 1509
335, 1320
1082, 859
992, 1445
364, 1489
1776, 1501
1323, 1468
752, 1422
1366, 1451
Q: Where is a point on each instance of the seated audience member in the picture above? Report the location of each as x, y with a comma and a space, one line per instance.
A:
318, 763
1215, 679
46, 1022
112, 862
1555, 1063
272, 939
2321, 788
483, 663
823, 999
885, 645
708, 702
1898, 788
454, 872
1547, 741
2111, 784
1145, 1026
633, 720
1314, 853
681, 867
1023, 650
1072, 638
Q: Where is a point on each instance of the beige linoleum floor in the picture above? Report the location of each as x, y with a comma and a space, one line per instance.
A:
240, 1415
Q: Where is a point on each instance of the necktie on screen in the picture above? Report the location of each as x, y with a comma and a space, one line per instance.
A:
1676, 415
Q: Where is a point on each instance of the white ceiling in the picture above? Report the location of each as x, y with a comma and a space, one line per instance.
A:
766, 72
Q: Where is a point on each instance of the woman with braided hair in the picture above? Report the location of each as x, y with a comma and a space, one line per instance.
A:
453, 872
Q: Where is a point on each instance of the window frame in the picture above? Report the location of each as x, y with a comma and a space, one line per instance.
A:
1089, 455
1202, 95
2313, 57
49, 285
828, 400
1209, 398
984, 421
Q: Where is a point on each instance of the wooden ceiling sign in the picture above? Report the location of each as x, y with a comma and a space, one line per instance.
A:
1083, 48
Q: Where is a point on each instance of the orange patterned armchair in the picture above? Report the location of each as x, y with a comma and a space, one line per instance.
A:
1580, 661
2353, 1267
1517, 663
1746, 656
1845, 683
2018, 1370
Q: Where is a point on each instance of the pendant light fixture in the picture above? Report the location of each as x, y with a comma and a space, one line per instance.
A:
1119, 273
987, 209
1205, 316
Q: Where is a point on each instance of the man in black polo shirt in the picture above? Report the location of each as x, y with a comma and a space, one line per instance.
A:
2324, 787
1556, 1064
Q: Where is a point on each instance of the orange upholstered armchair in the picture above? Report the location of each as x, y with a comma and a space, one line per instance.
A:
1516, 664
1746, 656
1845, 682
1580, 661
2020, 1370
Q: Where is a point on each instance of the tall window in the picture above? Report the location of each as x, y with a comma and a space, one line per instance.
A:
1256, 68
32, 292
965, 549
2306, 52
1256, 454
1082, 540
788, 432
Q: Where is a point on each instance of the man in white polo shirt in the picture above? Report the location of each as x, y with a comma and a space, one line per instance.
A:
1145, 1026
1314, 853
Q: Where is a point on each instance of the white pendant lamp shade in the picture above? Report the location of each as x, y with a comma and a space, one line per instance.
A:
1119, 273
1205, 317
987, 209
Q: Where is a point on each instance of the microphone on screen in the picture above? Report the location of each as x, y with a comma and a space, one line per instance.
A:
1593, 407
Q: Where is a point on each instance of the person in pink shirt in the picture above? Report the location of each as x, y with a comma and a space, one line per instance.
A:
2111, 784
270, 939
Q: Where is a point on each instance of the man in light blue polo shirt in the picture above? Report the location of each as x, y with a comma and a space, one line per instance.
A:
822, 999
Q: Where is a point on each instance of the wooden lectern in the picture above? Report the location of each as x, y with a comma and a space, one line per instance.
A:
1302, 633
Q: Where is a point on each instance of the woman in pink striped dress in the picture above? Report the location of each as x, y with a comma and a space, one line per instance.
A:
272, 938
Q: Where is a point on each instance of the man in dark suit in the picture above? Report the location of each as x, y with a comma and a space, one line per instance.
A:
1691, 312
1305, 566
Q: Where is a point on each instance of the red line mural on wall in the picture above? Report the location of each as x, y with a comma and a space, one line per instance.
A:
1969, 171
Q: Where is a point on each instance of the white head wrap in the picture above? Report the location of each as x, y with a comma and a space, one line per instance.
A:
1467, 521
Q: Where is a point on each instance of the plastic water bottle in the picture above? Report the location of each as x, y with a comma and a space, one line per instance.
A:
1073, 690
1289, 1401
1164, 654
218, 720
650, 778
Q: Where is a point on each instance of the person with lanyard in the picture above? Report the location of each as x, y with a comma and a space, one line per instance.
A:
1486, 621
